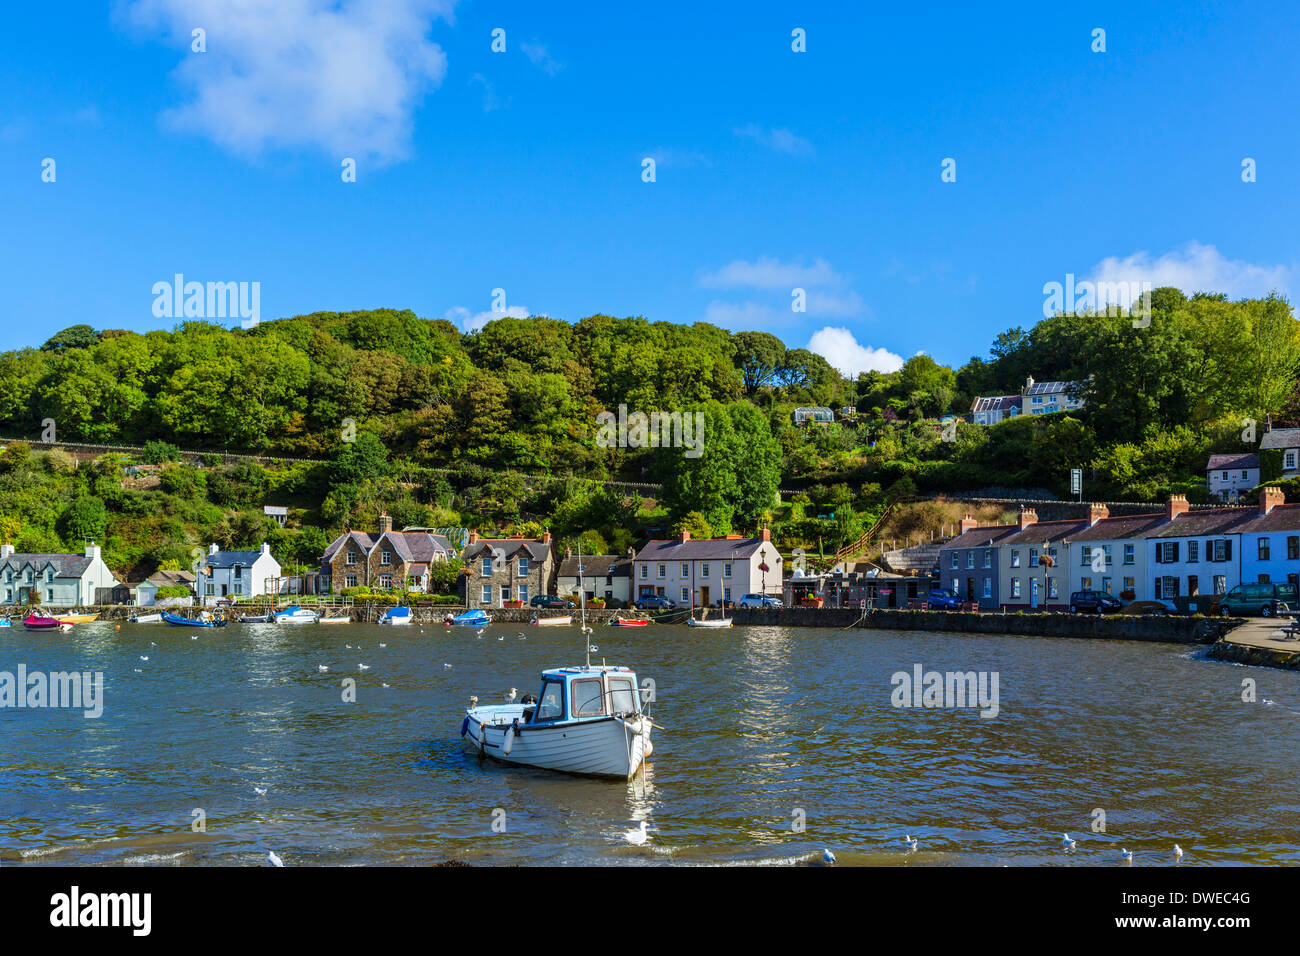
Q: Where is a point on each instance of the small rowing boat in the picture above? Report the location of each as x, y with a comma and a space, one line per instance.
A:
345, 619
78, 617
562, 621
146, 618
708, 622
629, 622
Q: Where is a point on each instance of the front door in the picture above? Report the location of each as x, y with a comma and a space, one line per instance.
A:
704, 595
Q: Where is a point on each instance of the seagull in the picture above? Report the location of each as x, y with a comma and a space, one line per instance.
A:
473, 701
446, 666
1126, 855
364, 667
260, 791
348, 646
501, 637
480, 630
274, 860
828, 857
510, 697
1178, 853
385, 685
383, 645
138, 671
322, 668
194, 637
1067, 843
144, 658
910, 842
636, 837
152, 644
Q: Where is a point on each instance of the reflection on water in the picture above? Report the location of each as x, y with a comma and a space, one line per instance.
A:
776, 742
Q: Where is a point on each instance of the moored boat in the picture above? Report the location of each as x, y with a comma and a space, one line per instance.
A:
708, 622
629, 621
294, 614
76, 617
205, 619
471, 619
267, 618
396, 616
586, 720
344, 619
561, 621
41, 622
146, 618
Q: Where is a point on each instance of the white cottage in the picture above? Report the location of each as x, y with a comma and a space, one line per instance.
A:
234, 575
1229, 476
55, 580
707, 571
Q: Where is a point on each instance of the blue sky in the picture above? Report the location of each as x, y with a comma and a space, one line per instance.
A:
522, 170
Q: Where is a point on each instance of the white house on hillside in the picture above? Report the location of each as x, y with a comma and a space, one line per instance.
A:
1228, 476
707, 571
237, 574
55, 580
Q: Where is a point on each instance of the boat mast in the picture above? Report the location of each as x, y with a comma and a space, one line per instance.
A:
582, 604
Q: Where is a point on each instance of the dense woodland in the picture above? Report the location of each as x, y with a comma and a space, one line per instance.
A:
496, 429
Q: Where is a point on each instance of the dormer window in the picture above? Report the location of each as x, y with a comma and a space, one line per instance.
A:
485, 566
523, 567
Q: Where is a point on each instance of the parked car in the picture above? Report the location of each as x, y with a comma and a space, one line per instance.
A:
944, 601
760, 600
550, 601
1157, 606
1094, 602
1263, 598
654, 602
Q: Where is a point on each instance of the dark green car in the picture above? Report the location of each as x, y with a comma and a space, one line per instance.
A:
1256, 598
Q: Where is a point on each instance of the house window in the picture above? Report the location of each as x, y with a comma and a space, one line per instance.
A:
663, 570
1244, 474
1167, 587
385, 557
1085, 584
988, 560
1193, 552
1167, 552
31, 576
954, 560
1015, 559
1289, 460
686, 570
704, 569
1225, 476
1109, 557
1086, 554
523, 567
352, 557
49, 576
726, 594
955, 585
1263, 549
237, 590
239, 571
49, 594
523, 593
645, 570
1128, 554
385, 581
726, 569
970, 559
1052, 589
1015, 587
1222, 550
1193, 585
1105, 584
988, 587
485, 596
351, 580
9, 594
211, 589
485, 567
1263, 579
1130, 584
686, 595
1033, 557
1292, 548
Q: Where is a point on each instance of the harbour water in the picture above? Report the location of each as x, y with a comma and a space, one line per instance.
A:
775, 743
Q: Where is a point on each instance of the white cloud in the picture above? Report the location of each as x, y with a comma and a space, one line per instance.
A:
473, 321
540, 58
740, 316
845, 354
1194, 268
835, 306
768, 272
345, 77
781, 140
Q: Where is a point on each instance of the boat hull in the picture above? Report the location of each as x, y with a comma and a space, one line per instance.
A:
720, 622
564, 621
146, 618
605, 747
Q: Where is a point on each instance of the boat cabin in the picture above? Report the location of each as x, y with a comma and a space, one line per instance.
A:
584, 693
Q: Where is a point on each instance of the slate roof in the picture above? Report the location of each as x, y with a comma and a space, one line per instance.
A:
597, 566
981, 537
1193, 524
1281, 438
1229, 462
1280, 518
705, 549
482, 548
1041, 531
65, 565
170, 577
231, 559
363, 540
1120, 526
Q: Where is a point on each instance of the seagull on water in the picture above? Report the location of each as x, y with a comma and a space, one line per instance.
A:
260, 791
383, 645
510, 697
364, 667
385, 685
636, 837
480, 631
1126, 855
910, 842
1067, 843
322, 668
501, 637
273, 859
144, 658
1178, 853
828, 857
446, 666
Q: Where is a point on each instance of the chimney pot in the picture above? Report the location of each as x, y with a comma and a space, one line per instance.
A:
684, 537
1096, 512
1176, 506
968, 523
1028, 516
1269, 498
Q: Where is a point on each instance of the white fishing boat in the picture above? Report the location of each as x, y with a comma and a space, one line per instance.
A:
146, 618
563, 620
708, 622
294, 614
586, 720
343, 619
396, 616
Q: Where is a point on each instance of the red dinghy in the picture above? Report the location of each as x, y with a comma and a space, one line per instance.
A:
35, 622
629, 622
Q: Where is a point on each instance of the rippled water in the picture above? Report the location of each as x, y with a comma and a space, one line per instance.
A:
760, 724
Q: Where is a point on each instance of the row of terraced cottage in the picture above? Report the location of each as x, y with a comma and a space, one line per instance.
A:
1176, 554
500, 570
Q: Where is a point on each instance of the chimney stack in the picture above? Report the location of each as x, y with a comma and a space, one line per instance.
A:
473, 537
385, 523
684, 537
1028, 516
767, 534
213, 549
968, 523
546, 536
1269, 498
92, 550
1177, 506
1096, 512
6, 549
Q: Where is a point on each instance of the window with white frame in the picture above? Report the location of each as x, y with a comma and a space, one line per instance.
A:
954, 560
970, 559
1015, 558
385, 557
726, 569
523, 593
663, 570
686, 569
704, 569
686, 595
523, 567
1015, 587
1128, 554
485, 595
645, 570
485, 567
